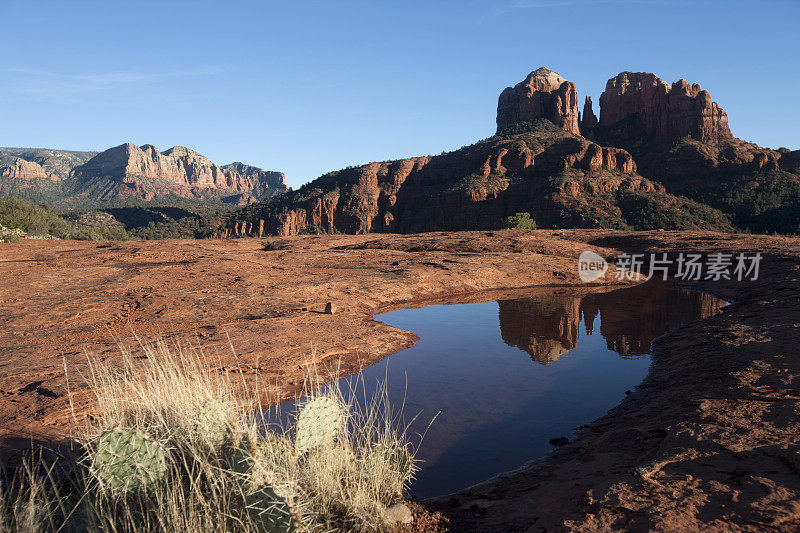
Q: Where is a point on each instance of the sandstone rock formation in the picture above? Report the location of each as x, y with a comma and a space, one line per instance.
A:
25, 170
640, 103
543, 94
680, 137
146, 172
538, 163
459, 189
559, 178
262, 182
588, 119
130, 172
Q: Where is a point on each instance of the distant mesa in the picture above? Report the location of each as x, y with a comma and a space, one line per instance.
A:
179, 171
128, 171
20, 169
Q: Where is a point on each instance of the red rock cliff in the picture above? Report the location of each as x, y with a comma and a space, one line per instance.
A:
25, 170
178, 170
475, 186
543, 94
664, 113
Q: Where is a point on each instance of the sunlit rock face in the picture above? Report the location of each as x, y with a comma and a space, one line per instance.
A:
641, 103
543, 94
630, 319
25, 170
143, 171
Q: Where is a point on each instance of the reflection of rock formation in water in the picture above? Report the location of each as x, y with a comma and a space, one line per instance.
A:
629, 319
546, 329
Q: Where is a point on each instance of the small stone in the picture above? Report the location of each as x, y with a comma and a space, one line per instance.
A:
559, 441
398, 513
329, 310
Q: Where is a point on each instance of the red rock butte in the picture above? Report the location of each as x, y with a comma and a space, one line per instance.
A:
543, 94
661, 111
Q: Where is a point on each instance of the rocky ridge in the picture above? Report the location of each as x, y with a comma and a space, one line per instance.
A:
130, 172
660, 156
537, 162
473, 187
20, 169
144, 171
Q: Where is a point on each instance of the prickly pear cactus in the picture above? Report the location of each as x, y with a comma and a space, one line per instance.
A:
317, 424
271, 512
276, 451
214, 422
397, 457
341, 455
272, 460
129, 460
239, 457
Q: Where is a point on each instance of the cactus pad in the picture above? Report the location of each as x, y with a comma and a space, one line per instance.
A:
214, 422
397, 457
128, 460
275, 451
317, 424
271, 512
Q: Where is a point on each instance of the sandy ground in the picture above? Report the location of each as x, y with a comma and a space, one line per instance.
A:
708, 441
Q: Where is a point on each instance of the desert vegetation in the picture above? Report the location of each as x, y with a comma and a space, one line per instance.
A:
177, 219
31, 220
178, 446
519, 221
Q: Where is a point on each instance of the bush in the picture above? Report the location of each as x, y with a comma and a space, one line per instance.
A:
313, 229
519, 221
177, 446
16, 213
538, 125
39, 221
10, 235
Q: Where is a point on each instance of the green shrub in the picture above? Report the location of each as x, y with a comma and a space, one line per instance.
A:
16, 213
538, 125
39, 221
10, 235
519, 221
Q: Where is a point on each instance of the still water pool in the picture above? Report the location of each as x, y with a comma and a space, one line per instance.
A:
509, 375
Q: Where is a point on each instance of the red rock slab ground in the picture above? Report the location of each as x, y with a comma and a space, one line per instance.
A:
708, 442
62, 299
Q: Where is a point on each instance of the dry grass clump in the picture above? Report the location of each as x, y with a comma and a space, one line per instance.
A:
178, 446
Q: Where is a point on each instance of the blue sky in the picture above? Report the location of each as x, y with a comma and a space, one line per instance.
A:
308, 87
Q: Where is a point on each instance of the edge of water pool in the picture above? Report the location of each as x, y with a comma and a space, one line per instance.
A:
648, 382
